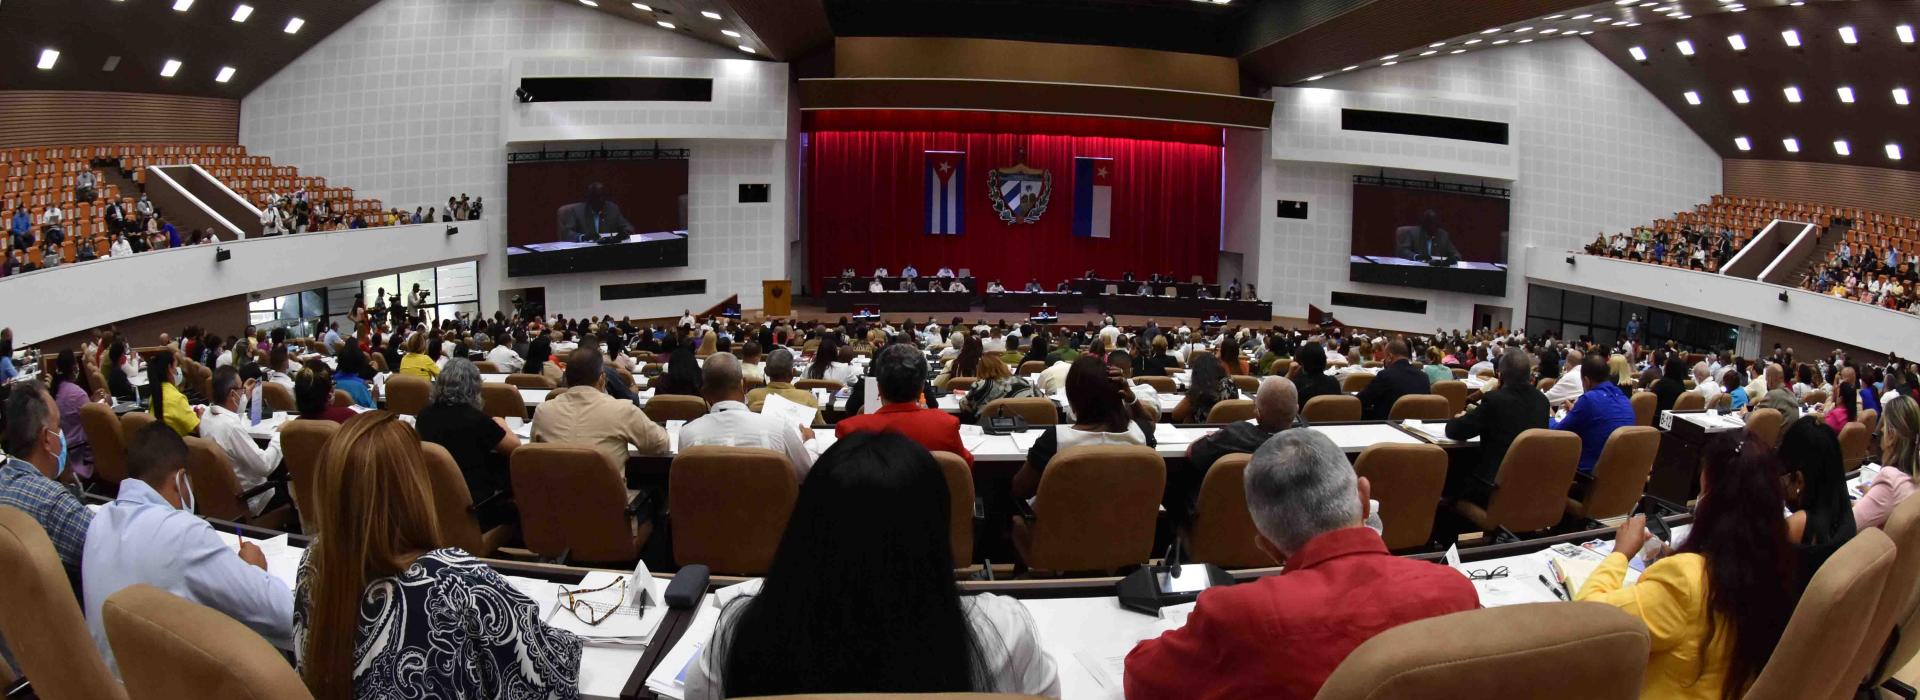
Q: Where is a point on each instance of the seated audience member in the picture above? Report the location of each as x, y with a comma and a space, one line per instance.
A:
1232, 361
1703, 382
313, 394
353, 376
1397, 379
750, 360
1102, 415
1735, 386
585, 414
1435, 370
501, 354
780, 382
729, 423
907, 285
682, 377
383, 608
993, 381
70, 392
278, 369
119, 382
957, 287
826, 362
1276, 407
1900, 459
1671, 384
876, 285
1033, 285
1503, 414
455, 418
1159, 363
150, 535
901, 372
36, 458
167, 403
1602, 408
1778, 397
831, 568
993, 287
965, 364
1145, 290
1716, 607
1816, 491
1310, 374
416, 363
1208, 384
1842, 407
1281, 636
1567, 388
225, 424
1038, 349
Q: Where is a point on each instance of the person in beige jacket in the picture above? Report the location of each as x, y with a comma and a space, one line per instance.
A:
587, 415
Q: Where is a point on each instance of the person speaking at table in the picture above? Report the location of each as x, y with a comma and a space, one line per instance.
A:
592, 217
1425, 241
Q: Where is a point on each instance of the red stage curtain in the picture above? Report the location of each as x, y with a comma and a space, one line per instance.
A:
865, 207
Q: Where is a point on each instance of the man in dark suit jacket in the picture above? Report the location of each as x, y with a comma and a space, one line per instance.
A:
1397, 379
1504, 413
587, 220
1425, 241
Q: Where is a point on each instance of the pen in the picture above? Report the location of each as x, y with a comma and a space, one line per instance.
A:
1551, 587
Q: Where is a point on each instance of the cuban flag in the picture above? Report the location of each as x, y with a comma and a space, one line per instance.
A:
1093, 197
945, 172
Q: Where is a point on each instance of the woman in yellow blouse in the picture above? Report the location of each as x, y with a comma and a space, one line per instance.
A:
416, 363
165, 400
1717, 606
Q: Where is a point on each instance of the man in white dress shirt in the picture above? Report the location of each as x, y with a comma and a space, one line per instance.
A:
226, 424
1704, 384
1567, 389
149, 535
875, 285
732, 424
501, 355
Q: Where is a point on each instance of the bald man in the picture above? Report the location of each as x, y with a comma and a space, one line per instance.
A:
1778, 396
731, 424
1276, 407
1566, 390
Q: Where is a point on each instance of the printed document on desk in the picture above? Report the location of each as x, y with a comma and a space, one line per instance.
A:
605, 596
669, 679
787, 410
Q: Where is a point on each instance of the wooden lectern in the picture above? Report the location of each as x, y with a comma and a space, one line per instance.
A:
776, 297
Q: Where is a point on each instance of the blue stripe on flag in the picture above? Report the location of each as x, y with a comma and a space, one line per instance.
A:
1083, 197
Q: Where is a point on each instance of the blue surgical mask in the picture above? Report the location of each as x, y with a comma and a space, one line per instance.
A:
62, 468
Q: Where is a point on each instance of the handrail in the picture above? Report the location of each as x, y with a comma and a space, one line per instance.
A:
224, 188
1784, 252
184, 192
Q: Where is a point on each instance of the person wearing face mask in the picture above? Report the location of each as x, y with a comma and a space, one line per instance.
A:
37, 452
226, 423
150, 535
169, 404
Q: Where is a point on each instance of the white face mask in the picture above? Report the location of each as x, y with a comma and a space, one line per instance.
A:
179, 377
185, 485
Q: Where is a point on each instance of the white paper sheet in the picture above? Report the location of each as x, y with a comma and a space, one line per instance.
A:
793, 412
669, 678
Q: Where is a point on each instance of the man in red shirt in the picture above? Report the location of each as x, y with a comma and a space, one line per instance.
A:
1281, 636
901, 371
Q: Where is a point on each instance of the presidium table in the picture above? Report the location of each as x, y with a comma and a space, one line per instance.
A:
1462, 276
898, 302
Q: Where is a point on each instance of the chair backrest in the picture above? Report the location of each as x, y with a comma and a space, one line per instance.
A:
1096, 508
169, 647
1222, 531
215, 488
954, 384
663, 408
529, 381
109, 447
1764, 423
1530, 491
503, 400
811, 384
1690, 401
279, 398
1645, 404
132, 422
1539, 651
571, 502
1355, 382
342, 399
300, 444
379, 361
485, 367
41, 619
1871, 419
1455, 391
1811, 659
1247, 382
1853, 444
1722, 402
1420, 407
960, 490
1816, 397
730, 506
1545, 383
407, 395
1620, 475
1037, 410
1459, 373
1328, 408
1032, 367
1407, 481
452, 502
1902, 594
1231, 411
1164, 385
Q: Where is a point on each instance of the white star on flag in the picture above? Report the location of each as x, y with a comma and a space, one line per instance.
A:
943, 168
1102, 172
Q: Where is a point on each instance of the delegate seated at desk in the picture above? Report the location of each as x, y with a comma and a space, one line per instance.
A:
876, 285
936, 285
848, 272
1062, 288
995, 288
1425, 241
1145, 290
587, 220
957, 287
1033, 285
880, 272
946, 272
906, 285
910, 272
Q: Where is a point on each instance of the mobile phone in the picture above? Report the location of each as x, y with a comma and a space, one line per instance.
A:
1656, 525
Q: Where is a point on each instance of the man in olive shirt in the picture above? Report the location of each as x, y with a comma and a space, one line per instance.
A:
780, 382
587, 415
1778, 397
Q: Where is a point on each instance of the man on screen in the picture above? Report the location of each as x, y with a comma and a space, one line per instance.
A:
1425, 241
588, 220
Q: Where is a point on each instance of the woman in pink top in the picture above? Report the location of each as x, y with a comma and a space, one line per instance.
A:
1843, 407
1900, 452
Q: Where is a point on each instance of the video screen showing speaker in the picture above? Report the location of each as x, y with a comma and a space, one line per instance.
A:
1428, 234
596, 211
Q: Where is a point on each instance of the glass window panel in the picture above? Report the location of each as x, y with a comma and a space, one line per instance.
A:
1543, 301
1577, 308
1606, 313
458, 282
1573, 331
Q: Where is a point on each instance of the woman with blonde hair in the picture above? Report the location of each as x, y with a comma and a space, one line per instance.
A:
1900, 455
1621, 370
994, 380
383, 609
416, 363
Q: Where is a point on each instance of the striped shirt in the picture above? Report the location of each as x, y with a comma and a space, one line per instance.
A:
58, 511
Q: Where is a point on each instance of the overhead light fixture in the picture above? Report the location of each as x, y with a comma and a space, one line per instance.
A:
1792, 93
226, 74
1523, 30
1390, 63
589, 3
1841, 148
1739, 43
1429, 52
643, 7
48, 57
1497, 42
1551, 18
1905, 32
1389, 57
1582, 16
710, 14
1848, 37
1685, 47
1602, 20
1526, 41
1436, 44
1317, 77
1638, 54
664, 24
242, 12
294, 25
1495, 30
1624, 3
112, 63
1693, 98
1846, 94
182, 5
1456, 51
1587, 33
1549, 31
1740, 95
746, 48
730, 33
1791, 37
1470, 42
171, 67
1900, 96
1791, 144
1348, 68
1893, 151
1742, 143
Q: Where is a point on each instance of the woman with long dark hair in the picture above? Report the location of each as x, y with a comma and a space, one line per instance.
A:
1208, 384
1843, 407
826, 361
1038, 349
119, 384
1309, 373
965, 364
1671, 384
1715, 608
852, 608
1816, 490
71, 389
164, 396
683, 372
1102, 415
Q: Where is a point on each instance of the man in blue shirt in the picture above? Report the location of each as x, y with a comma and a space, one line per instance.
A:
1602, 408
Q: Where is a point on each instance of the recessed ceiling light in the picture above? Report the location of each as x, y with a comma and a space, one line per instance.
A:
1389, 57
1602, 20
1841, 148
1523, 30
1740, 95
1848, 36
1638, 54
1548, 31
746, 48
1526, 41
589, 3
1739, 43
1792, 93
1587, 33
294, 25
1686, 47
172, 66
1429, 52
664, 24
1792, 144
643, 7
242, 12
1905, 31
1348, 68
182, 5
112, 63
226, 74
1791, 37
730, 33
1900, 96
1497, 42
1391, 63
1738, 8
1582, 16
1455, 51
1495, 30
710, 14
1743, 144
1470, 42
1551, 18
1893, 151
1846, 94
1693, 98
1317, 77
48, 57
1624, 3
1436, 44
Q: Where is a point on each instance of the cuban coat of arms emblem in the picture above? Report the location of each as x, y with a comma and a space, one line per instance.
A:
1019, 193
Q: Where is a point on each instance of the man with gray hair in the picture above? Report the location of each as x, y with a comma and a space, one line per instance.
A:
1281, 636
1778, 397
1276, 407
731, 424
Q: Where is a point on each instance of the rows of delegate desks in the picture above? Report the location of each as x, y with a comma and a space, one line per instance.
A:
1170, 299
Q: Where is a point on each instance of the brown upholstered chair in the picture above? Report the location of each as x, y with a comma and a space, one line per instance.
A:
342, 399
1095, 510
485, 367
960, 491
1545, 383
300, 444
379, 362
454, 507
1871, 419
1853, 444
1563, 651
675, 407
1164, 385
279, 398
1811, 659
1037, 410
217, 492
1280, 368
1690, 401
529, 381
1420, 407
899, 696
1765, 423
407, 395
1530, 490
1222, 530
1815, 397
1460, 373
1456, 393
1328, 408
41, 619
1231, 411
572, 507
1031, 367
168, 647
1406, 480
1620, 475
1645, 405
810, 384
1355, 382
1247, 382
729, 507
132, 422
1721, 402
109, 447
503, 400
954, 384
1899, 606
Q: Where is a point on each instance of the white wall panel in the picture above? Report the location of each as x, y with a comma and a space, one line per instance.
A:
1306, 127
